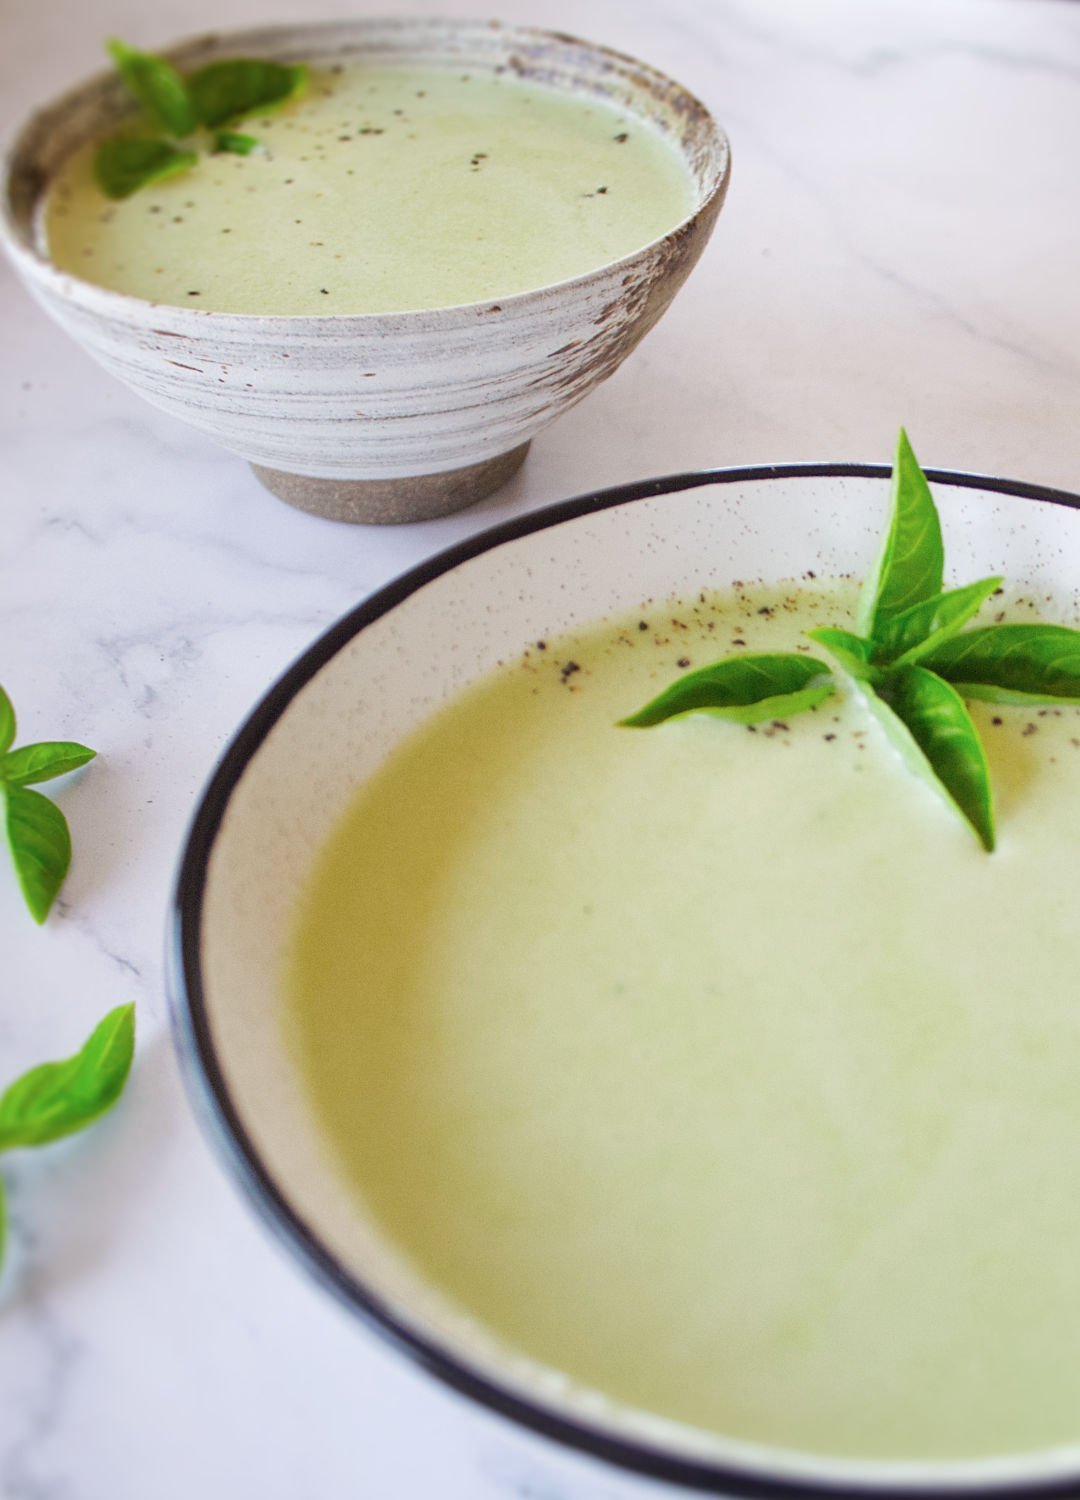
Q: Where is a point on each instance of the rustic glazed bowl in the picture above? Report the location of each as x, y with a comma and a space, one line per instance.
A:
326, 726
390, 416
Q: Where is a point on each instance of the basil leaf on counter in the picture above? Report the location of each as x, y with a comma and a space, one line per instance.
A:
914, 634
911, 563
35, 763
158, 87
60, 1098
934, 714
124, 165
853, 652
239, 145
239, 86
1013, 663
40, 844
747, 689
37, 831
7, 721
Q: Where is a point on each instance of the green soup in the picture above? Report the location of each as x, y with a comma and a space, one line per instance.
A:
383, 190
719, 1068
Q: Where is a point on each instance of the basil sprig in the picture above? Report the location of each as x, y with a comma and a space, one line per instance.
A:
36, 829
182, 105
57, 1099
909, 657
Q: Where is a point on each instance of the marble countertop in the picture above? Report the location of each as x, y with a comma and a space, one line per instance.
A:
900, 244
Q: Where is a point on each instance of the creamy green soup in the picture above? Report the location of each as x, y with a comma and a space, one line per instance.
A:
717, 1067
383, 190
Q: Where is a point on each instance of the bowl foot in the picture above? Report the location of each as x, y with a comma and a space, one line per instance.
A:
386, 502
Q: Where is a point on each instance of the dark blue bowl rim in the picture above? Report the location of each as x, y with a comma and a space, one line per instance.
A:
209, 1094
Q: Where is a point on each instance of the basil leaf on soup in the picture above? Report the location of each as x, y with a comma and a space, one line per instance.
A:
238, 145
911, 563
240, 86
124, 165
1013, 663
40, 844
853, 652
908, 637
936, 721
59, 1098
43, 762
7, 721
158, 87
747, 689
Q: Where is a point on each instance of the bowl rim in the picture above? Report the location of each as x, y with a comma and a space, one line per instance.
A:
127, 308
209, 1094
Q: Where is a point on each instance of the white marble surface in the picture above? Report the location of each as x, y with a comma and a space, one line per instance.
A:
900, 243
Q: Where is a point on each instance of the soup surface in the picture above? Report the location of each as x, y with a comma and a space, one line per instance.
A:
719, 1068
383, 191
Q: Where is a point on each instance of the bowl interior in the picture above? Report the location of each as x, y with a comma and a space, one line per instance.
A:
335, 717
578, 67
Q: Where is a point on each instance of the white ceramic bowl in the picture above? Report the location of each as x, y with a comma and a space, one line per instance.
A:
391, 416
323, 729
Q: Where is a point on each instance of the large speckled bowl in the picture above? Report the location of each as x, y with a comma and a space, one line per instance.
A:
325, 728
389, 416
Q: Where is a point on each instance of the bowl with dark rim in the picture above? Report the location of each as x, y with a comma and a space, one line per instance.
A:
325, 728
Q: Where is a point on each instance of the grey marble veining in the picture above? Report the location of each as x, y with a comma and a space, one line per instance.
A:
900, 244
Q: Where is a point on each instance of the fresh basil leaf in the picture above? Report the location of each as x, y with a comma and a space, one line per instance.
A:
60, 1098
124, 165
40, 844
782, 706
239, 145
43, 762
912, 635
158, 87
239, 86
1013, 663
853, 652
933, 713
910, 566
7, 721
748, 689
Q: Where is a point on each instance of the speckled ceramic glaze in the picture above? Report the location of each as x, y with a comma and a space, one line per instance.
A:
326, 727
380, 417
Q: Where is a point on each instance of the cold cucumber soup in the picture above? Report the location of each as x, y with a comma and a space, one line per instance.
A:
718, 1068
383, 190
